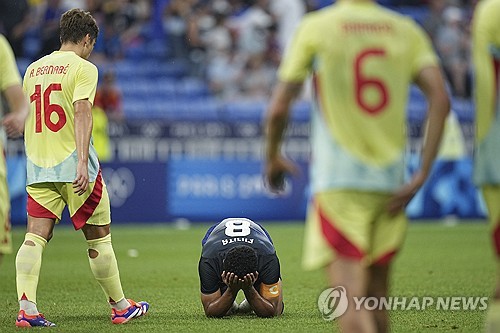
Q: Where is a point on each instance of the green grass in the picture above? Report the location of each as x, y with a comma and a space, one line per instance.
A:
437, 260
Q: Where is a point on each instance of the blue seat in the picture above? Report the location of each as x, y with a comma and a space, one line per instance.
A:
244, 110
22, 64
133, 108
418, 13
192, 88
301, 110
416, 110
464, 109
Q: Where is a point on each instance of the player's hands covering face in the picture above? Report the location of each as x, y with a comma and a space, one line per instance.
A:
248, 280
231, 280
235, 283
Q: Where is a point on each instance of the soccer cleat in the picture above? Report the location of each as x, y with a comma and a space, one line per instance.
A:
24, 320
135, 310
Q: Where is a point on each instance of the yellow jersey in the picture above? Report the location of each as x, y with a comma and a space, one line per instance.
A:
486, 59
363, 58
9, 76
52, 84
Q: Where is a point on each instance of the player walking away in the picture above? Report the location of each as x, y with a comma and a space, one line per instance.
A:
486, 57
238, 254
364, 58
63, 169
13, 126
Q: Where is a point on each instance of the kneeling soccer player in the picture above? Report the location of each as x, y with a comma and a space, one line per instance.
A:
238, 254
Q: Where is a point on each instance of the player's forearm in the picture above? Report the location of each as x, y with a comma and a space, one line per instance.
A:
275, 129
277, 119
438, 111
220, 306
83, 130
16, 100
432, 84
261, 306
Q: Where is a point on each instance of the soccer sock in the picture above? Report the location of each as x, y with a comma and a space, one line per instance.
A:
120, 305
28, 307
28, 263
105, 269
244, 307
233, 309
493, 317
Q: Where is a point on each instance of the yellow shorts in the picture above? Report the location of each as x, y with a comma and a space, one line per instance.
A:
351, 224
5, 235
491, 195
47, 200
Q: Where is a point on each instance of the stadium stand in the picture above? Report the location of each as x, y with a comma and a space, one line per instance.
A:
157, 85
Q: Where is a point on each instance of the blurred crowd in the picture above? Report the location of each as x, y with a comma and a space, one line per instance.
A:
32, 26
448, 25
234, 45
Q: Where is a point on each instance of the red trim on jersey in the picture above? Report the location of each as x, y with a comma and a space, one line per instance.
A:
496, 239
385, 259
337, 240
83, 213
34, 209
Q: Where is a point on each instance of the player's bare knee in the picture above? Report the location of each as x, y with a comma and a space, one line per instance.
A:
93, 253
29, 243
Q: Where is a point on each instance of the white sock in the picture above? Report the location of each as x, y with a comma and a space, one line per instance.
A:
244, 307
233, 309
120, 305
28, 307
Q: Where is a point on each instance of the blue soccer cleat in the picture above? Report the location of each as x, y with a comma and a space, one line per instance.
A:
135, 310
24, 320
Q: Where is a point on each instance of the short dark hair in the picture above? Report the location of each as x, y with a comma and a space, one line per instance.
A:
241, 260
75, 24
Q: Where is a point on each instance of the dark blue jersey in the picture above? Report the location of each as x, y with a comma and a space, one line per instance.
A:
227, 234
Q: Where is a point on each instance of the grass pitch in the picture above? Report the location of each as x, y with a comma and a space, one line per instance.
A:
437, 260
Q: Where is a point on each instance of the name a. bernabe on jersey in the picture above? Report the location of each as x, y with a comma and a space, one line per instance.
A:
360, 27
51, 69
237, 239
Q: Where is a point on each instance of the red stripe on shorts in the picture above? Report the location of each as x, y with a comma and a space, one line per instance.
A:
496, 239
34, 209
386, 258
338, 241
83, 213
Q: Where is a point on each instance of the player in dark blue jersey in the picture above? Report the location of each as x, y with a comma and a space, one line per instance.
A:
238, 254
